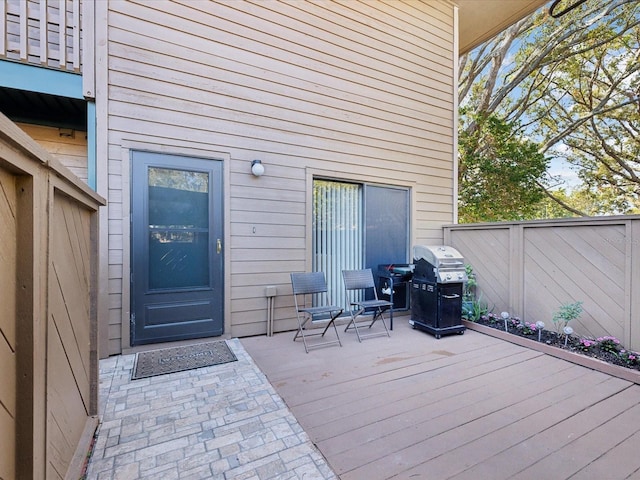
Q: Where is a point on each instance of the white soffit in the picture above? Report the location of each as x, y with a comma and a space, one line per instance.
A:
480, 20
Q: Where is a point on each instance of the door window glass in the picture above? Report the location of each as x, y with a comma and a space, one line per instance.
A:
178, 213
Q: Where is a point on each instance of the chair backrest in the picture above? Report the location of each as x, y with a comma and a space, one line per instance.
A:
359, 285
308, 283
358, 279
313, 284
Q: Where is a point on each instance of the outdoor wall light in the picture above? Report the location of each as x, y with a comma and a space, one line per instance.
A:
257, 168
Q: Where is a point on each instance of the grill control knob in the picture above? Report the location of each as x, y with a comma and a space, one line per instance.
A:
448, 276
459, 276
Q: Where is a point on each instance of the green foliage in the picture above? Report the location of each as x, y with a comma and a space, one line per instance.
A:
473, 310
571, 86
609, 344
565, 314
499, 173
469, 291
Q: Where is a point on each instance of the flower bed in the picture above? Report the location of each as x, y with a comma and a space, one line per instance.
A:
605, 354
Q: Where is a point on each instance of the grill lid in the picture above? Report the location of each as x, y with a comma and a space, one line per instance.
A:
447, 262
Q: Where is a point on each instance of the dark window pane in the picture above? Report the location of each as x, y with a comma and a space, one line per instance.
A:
178, 198
178, 259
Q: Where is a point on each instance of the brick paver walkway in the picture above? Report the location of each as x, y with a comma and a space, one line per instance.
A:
219, 422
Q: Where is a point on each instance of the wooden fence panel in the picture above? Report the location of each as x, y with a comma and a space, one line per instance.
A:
550, 263
575, 263
7, 324
487, 251
48, 345
69, 361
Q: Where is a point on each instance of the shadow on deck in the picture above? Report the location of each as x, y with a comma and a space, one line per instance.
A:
465, 407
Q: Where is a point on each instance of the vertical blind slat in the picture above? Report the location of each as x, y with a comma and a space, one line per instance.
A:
337, 233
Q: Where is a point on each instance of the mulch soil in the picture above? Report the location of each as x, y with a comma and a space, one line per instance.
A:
572, 344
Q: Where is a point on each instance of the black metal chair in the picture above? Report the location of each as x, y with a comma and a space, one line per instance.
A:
305, 287
358, 285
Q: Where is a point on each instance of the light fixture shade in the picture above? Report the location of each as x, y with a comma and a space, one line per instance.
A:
257, 168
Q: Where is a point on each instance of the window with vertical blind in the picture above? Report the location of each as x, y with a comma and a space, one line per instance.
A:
357, 226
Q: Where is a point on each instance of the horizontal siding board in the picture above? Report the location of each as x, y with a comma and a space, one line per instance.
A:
71, 151
300, 118
312, 26
244, 39
267, 230
289, 265
318, 87
259, 254
267, 140
364, 85
255, 217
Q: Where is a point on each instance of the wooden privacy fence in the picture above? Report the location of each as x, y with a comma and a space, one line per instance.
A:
530, 268
48, 356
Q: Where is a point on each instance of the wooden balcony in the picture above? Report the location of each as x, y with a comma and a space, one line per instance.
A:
42, 32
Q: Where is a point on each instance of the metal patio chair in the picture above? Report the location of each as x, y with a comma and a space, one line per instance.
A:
359, 285
306, 286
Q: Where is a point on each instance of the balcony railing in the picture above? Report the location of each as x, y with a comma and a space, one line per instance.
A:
42, 32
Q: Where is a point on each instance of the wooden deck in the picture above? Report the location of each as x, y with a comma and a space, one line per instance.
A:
465, 407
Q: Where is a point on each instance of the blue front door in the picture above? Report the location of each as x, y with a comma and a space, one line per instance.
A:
176, 248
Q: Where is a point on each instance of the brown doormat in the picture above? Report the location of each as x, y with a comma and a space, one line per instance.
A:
178, 359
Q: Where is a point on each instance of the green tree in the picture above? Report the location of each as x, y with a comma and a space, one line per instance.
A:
571, 85
499, 173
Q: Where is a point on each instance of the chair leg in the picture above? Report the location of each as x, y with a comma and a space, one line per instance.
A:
300, 333
380, 315
354, 323
332, 322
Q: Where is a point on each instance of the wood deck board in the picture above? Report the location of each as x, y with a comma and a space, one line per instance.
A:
448, 428
519, 424
462, 407
425, 414
397, 400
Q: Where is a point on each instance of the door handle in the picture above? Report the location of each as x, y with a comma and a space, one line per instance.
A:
455, 295
218, 246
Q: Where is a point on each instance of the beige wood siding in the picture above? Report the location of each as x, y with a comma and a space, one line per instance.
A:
355, 90
531, 268
42, 33
8, 247
68, 146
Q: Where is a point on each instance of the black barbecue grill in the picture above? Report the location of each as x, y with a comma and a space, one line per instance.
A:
436, 290
393, 284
